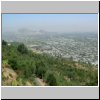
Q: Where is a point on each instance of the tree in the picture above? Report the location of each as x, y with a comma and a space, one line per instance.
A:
4, 42
51, 80
22, 49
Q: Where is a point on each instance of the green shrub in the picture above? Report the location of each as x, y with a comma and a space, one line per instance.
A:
40, 69
4, 42
22, 49
13, 63
51, 80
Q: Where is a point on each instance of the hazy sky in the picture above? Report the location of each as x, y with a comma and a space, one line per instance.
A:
51, 22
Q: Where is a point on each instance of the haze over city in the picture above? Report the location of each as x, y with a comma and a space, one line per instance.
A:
50, 22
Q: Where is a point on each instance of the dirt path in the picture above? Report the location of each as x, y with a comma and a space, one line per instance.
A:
39, 82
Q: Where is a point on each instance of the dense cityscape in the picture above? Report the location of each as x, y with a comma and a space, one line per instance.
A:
79, 47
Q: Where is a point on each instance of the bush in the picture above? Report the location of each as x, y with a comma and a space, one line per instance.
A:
51, 80
13, 63
40, 69
4, 42
22, 49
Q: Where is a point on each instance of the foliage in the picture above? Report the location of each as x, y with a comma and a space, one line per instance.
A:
40, 69
4, 42
22, 49
13, 63
51, 80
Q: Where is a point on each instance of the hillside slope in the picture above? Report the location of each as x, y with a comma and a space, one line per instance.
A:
22, 67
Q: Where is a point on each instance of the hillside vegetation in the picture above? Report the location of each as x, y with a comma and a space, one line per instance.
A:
21, 67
